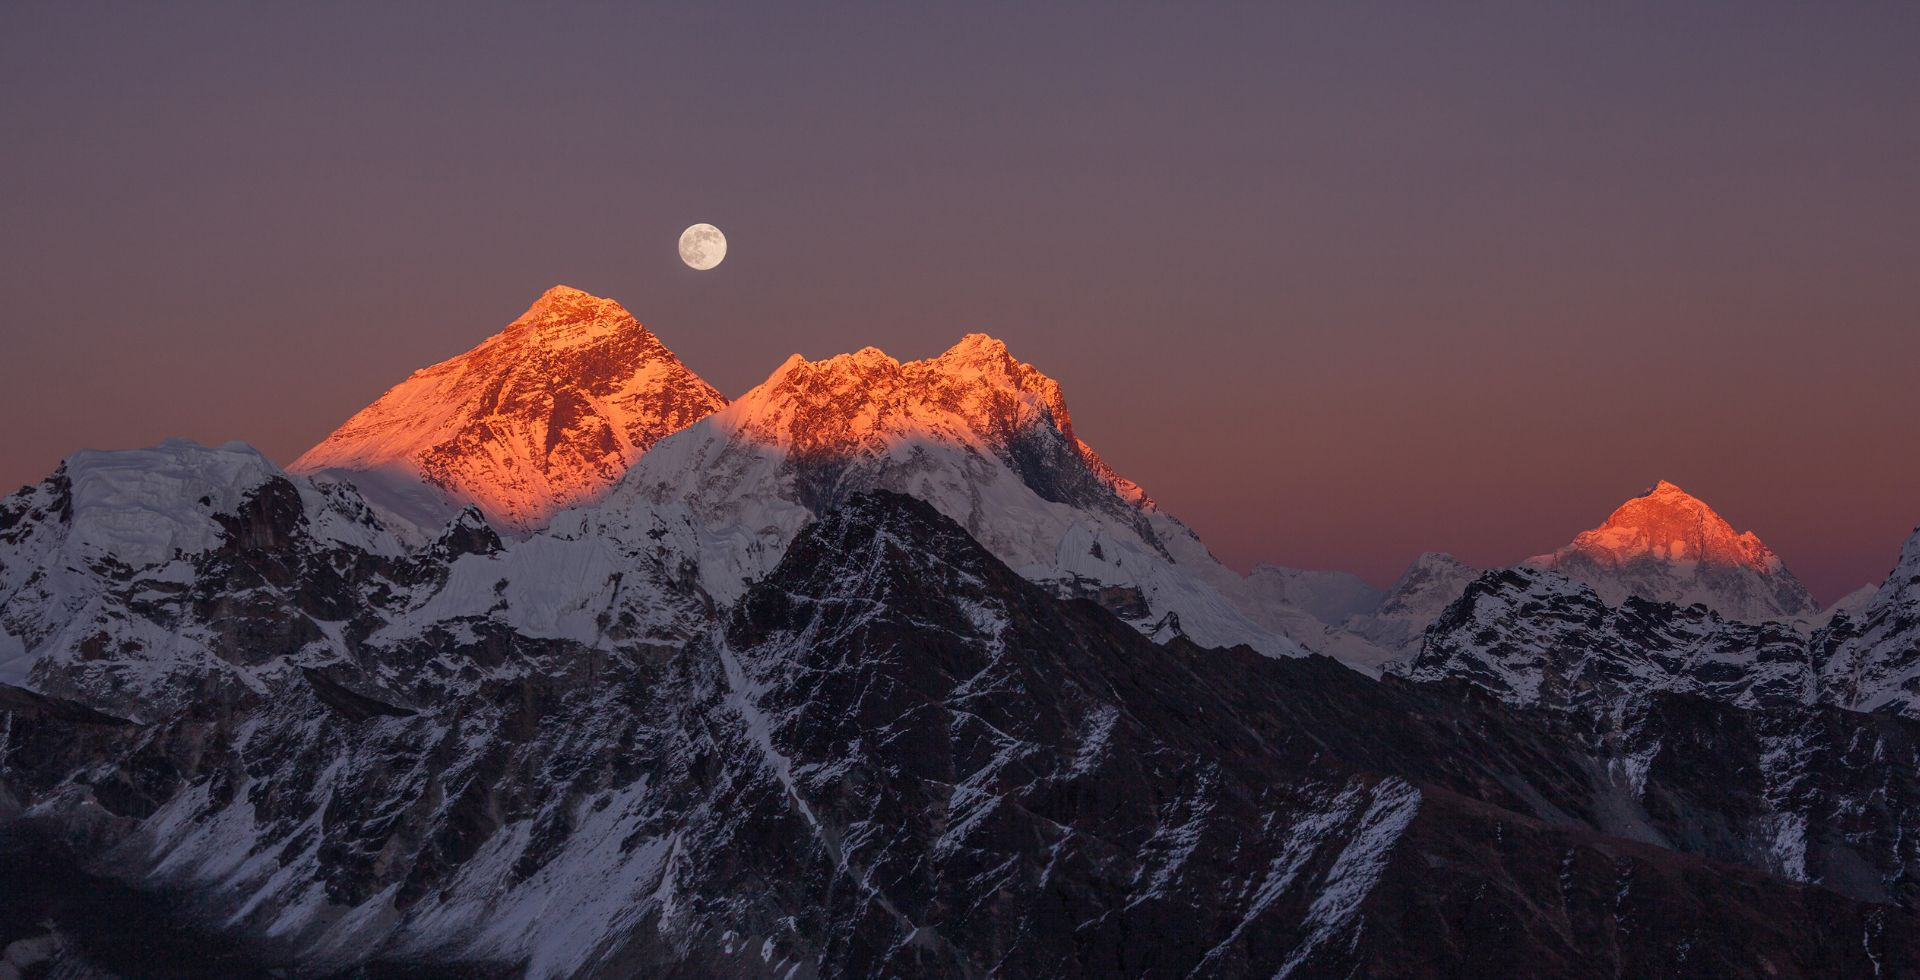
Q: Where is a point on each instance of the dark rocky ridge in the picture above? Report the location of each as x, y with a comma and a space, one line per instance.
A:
896, 755
1537, 638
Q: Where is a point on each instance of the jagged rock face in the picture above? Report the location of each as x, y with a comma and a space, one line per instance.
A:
1539, 638
983, 437
545, 415
1668, 546
143, 580
467, 534
139, 580
897, 756
1536, 638
1872, 657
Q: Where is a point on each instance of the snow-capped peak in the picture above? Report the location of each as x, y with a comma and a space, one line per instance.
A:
1671, 524
984, 437
1668, 545
975, 393
566, 316
546, 414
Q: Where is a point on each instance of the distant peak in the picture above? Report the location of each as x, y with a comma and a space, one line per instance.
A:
565, 306
1437, 559
562, 295
561, 290
799, 368
1674, 524
1668, 545
975, 392
978, 344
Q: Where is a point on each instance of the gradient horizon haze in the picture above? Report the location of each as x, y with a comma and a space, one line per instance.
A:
1337, 284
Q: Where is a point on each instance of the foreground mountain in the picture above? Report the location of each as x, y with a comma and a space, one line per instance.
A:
545, 415
1537, 638
141, 580
896, 755
1871, 657
1668, 546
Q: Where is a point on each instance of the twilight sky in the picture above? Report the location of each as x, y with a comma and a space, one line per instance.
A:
1337, 285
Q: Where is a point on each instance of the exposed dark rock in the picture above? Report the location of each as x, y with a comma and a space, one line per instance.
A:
897, 756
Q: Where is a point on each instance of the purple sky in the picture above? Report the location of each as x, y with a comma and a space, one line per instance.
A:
1336, 285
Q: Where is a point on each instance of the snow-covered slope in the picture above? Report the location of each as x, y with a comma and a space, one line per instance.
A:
1850, 605
895, 756
1539, 639
985, 438
1873, 655
1392, 629
1338, 615
140, 581
546, 414
137, 576
140, 578
1669, 546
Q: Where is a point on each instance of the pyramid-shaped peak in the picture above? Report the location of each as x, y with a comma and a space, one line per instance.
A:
561, 290
1669, 545
1669, 523
562, 295
580, 315
1666, 504
1664, 500
546, 414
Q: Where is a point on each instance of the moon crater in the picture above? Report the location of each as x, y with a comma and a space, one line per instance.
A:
702, 246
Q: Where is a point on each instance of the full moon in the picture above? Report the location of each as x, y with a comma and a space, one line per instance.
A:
702, 246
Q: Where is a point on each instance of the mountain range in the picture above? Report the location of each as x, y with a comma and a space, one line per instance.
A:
554, 661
